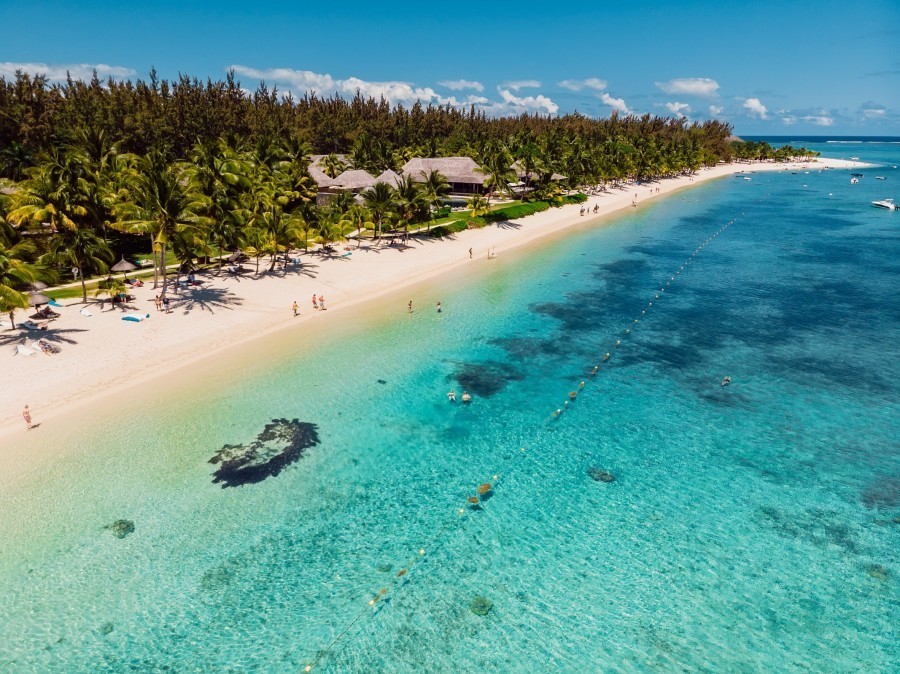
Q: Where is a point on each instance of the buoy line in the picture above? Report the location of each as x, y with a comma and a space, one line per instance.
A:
478, 501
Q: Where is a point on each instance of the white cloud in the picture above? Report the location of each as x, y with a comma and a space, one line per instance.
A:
58, 72
615, 103
788, 120
512, 104
521, 84
755, 106
716, 110
692, 86
594, 83
819, 120
459, 85
874, 112
679, 109
306, 81
301, 82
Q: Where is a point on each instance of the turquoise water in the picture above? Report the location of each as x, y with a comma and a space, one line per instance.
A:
749, 528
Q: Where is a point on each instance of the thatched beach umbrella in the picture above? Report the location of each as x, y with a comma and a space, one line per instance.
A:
123, 266
36, 298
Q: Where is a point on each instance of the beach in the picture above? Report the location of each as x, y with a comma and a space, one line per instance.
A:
103, 355
710, 519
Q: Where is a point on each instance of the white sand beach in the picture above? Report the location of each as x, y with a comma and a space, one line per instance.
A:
102, 355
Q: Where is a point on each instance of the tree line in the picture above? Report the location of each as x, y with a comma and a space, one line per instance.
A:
195, 169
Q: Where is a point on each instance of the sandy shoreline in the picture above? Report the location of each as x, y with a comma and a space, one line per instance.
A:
103, 355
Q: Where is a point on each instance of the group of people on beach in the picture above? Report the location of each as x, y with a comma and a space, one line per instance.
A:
318, 303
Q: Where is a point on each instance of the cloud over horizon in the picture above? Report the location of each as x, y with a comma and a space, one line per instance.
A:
615, 103
692, 86
59, 72
678, 109
300, 82
756, 108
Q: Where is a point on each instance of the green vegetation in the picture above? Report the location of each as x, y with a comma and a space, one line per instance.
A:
177, 172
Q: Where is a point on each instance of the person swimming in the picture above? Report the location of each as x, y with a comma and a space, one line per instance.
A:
451, 396
726, 381
466, 398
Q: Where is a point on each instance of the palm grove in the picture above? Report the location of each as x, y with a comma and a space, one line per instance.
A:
188, 170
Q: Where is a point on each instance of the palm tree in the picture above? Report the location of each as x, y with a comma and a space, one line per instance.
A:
410, 202
433, 190
479, 204
333, 165
380, 201
82, 249
158, 201
496, 163
15, 274
359, 217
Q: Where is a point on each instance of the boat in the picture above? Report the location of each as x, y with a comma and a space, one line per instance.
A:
885, 203
747, 178
880, 178
857, 175
854, 181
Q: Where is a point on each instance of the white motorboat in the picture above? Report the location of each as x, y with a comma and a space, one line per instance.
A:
885, 203
880, 178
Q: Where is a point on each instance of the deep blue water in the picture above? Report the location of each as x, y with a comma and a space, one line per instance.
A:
752, 527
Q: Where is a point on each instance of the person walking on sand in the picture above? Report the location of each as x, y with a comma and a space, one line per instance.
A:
26, 415
296, 308
322, 302
158, 303
439, 307
409, 306
470, 253
315, 303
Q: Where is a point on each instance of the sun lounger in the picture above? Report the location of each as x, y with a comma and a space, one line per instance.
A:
135, 317
85, 312
54, 303
31, 325
22, 350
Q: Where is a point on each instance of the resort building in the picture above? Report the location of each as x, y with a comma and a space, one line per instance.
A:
461, 172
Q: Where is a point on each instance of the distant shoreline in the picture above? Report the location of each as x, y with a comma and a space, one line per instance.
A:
104, 356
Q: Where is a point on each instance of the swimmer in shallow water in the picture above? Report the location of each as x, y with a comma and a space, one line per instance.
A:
451, 396
466, 398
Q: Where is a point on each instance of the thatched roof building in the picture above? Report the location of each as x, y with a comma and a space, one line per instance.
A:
354, 180
389, 178
460, 172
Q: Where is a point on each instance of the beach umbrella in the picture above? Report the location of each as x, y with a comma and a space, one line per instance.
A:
123, 266
37, 298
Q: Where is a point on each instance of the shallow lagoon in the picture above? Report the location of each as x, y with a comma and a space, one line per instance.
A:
749, 527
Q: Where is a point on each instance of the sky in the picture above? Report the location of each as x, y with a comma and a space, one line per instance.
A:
789, 67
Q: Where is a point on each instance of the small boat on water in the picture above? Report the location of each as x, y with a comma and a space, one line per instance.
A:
880, 178
857, 175
885, 203
747, 178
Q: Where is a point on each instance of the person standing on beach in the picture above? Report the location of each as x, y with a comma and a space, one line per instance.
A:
26, 415
296, 308
470, 253
315, 303
158, 303
409, 306
439, 307
322, 302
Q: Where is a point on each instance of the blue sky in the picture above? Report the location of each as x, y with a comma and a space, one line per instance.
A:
789, 67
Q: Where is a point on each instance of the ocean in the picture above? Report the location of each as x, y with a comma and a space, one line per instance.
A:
642, 517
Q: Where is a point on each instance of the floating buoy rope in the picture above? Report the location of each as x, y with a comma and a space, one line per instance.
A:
476, 501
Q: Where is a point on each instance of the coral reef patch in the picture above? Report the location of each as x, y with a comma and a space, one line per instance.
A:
281, 443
